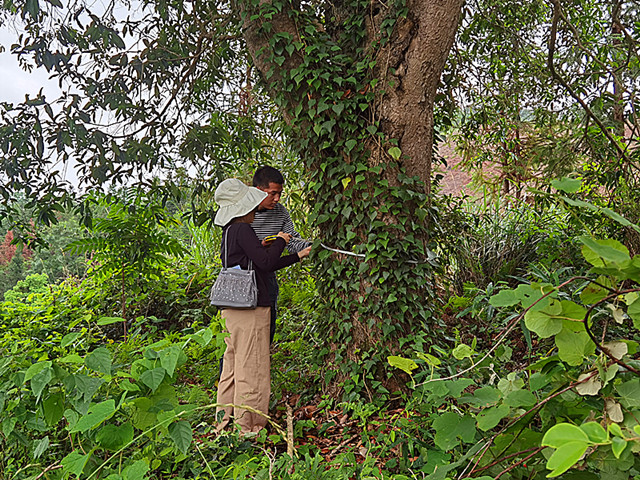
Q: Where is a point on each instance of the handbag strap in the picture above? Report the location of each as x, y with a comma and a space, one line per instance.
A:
225, 234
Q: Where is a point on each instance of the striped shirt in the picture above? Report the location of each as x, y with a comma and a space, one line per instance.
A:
270, 222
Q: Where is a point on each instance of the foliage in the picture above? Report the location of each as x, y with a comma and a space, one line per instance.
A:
129, 244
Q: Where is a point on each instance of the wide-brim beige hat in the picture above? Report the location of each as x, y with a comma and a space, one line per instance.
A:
235, 200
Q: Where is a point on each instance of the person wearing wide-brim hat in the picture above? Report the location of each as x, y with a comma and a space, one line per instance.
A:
246, 372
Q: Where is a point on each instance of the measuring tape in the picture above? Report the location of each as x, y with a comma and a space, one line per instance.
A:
430, 255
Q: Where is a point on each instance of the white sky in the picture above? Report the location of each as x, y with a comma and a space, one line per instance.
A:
14, 81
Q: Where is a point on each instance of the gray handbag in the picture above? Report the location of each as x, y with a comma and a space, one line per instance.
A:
235, 288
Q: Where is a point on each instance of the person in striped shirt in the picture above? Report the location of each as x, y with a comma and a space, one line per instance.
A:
270, 218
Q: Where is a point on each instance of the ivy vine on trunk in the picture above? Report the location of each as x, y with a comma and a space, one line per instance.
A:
356, 83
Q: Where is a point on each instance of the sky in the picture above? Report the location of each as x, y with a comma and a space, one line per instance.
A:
14, 81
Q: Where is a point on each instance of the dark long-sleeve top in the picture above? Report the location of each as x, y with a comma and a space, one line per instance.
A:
244, 245
270, 222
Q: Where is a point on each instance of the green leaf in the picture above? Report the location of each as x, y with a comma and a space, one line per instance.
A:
462, 351
490, 417
595, 432
181, 434
520, 398
169, 359
601, 252
97, 414
567, 185
41, 446
99, 361
405, 364
153, 378
593, 293
338, 108
114, 437
633, 311
69, 338
504, 298
482, 397
53, 408
41, 380
563, 433
395, 153
565, 457
618, 445
34, 369
74, 463
450, 426
573, 347
110, 320
136, 471
543, 323
349, 144
629, 393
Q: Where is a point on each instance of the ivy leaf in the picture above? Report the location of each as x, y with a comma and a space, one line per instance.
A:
405, 364
74, 463
99, 361
97, 414
565, 457
153, 378
395, 153
181, 434
350, 144
573, 347
567, 185
595, 432
490, 417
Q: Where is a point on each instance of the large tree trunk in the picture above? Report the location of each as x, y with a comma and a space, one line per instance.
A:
358, 89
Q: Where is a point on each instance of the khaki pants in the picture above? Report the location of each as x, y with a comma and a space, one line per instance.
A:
246, 371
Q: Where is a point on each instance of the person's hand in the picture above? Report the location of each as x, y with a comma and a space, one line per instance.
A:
304, 253
285, 236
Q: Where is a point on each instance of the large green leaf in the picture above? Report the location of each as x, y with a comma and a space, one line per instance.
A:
74, 463
405, 364
36, 368
544, 323
490, 417
99, 361
565, 457
41, 380
629, 393
600, 253
53, 408
97, 414
595, 432
169, 359
520, 398
633, 311
136, 471
573, 347
563, 433
450, 426
114, 437
69, 338
567, 185
153, 378
181, 434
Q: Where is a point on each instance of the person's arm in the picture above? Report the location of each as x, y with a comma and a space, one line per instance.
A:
267, 259
294, 245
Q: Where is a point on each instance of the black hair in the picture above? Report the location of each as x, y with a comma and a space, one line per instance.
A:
266, 175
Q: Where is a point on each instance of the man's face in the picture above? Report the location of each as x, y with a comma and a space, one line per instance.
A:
274, 191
